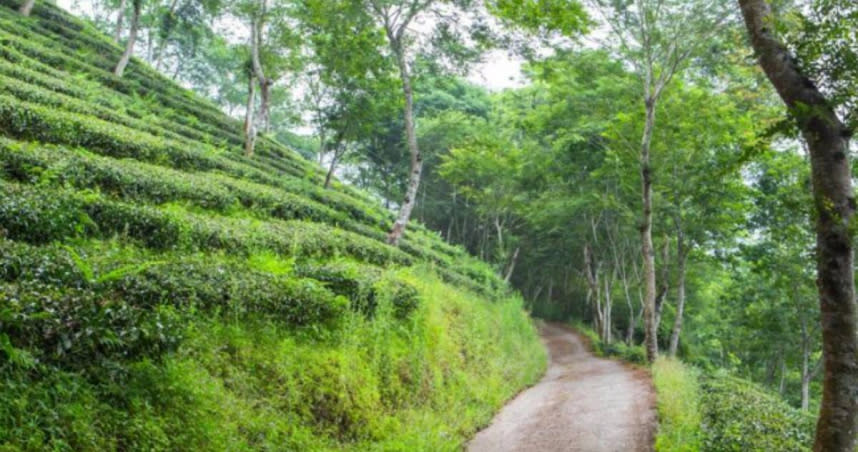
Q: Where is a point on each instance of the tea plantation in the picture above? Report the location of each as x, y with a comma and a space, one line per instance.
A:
160, 291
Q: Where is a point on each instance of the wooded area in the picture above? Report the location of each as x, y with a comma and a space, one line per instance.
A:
675, 173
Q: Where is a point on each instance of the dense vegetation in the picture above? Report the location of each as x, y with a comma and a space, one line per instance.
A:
160, 291
675, 174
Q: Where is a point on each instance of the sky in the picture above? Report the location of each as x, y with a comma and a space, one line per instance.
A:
498, 71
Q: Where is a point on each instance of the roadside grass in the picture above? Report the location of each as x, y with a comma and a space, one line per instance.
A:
678, 392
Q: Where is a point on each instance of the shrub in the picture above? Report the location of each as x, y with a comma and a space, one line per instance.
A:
740, 416
364, 285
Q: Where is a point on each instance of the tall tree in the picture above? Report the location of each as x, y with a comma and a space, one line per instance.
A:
657, 37
137, 6
827, 139
396, 17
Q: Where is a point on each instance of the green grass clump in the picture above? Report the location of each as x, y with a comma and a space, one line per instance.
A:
678, 391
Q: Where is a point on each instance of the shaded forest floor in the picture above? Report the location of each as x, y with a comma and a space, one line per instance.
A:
583, 403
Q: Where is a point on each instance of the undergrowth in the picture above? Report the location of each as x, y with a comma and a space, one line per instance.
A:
679, 411
424, 382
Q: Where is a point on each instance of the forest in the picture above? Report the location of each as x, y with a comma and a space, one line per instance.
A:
344, 224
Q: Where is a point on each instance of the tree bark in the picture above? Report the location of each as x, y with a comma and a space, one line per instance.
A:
827, 139
256, 25
27, 7
338, 153
132, 37
664, 284
249, 128
416, 171
511, 267
650, 325
117, 30
682, 259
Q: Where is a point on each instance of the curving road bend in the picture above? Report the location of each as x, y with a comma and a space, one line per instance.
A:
583, 403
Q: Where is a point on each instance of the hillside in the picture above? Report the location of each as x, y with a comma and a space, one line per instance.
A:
160, 291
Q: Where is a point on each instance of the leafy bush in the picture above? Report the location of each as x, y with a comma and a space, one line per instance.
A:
740, 416
364, 285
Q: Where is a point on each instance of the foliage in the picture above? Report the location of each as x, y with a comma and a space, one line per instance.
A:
383, 383
159, 291
740, 416
679, 409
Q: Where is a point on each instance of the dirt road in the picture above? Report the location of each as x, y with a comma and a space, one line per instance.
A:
583, 404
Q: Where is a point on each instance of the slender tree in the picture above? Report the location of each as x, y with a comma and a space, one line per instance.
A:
27, 7
120, 16
119, 70
657, 37
396, 17
827, 140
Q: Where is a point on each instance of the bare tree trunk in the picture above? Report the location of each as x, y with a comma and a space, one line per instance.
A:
416, 171
682, 259
117, 30
594, 295
256, 25
647, 251
664, 284
511, 266
338, 152
249, 127
132, 37
27, 7
827, 139
606, 317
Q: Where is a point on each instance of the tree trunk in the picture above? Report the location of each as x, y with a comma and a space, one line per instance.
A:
650, 325
132, 37
511, 267
606, 316
827, 140
682, 259
117, 30
664, 284
334, 160
416, 157
249, 128
27, 7
256, 25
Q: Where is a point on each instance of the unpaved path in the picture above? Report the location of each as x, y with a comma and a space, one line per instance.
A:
583, 404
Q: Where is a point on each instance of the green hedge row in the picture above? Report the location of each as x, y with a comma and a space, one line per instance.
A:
214, 126
740, 416
44, 215
364, 285
36, 122
138, 181
66, 308
26, 41
293, 164
135, 181
37, 57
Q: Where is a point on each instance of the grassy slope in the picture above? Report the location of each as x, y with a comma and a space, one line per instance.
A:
159, 291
